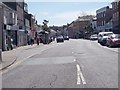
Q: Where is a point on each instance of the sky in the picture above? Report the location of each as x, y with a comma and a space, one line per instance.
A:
61, 13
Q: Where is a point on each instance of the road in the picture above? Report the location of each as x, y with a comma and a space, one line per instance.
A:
72, 64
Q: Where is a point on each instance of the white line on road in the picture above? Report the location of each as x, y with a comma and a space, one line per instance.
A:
74, 60
11, 67
78, 79
80, 75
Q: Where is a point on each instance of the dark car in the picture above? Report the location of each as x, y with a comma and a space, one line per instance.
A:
113, 40
66, 38
60, 39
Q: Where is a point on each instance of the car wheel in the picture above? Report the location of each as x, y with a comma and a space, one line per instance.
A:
107, 45
98, 41
101, 43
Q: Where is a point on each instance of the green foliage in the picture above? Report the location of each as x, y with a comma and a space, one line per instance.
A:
89, 29
45, 26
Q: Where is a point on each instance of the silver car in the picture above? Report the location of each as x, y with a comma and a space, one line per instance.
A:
102, 37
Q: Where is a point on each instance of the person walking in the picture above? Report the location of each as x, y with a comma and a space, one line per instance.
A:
9, 43
37, 40
32, 41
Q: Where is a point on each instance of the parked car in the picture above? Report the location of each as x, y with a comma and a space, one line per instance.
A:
94, 37
60, 39
66, 38
113, 40
102, 37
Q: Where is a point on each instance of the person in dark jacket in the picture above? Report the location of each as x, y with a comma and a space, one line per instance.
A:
32, 41
38, 40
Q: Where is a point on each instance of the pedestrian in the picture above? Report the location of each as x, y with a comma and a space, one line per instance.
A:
32, 41
41, 41
9, 43
37, 40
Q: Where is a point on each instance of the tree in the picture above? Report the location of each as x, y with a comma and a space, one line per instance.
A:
46, 30
45, 26
89, 28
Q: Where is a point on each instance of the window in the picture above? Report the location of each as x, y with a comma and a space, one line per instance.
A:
10, 14
117, 16
104, 22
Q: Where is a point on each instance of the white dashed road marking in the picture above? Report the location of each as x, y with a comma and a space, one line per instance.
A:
74, 60
80, 75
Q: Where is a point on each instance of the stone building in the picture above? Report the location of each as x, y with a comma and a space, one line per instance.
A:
104, 19
9, 19
116, 16
19, 27
77, 28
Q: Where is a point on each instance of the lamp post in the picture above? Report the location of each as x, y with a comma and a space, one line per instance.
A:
1, 30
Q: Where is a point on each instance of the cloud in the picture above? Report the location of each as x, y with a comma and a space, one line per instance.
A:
68, 17
73, 14
44, 13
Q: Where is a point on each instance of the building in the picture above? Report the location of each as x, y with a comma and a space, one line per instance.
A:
58, 29
77, 28
104, 19
93, 23
9, 19
20, 23
32, 30
108, 19
1, 31
20, 28
116, 16
65, 30
26, 22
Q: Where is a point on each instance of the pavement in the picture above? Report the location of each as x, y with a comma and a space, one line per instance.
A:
10, 57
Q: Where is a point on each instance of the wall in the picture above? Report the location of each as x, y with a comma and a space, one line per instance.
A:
116, 16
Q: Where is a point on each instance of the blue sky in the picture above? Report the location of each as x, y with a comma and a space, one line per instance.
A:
61, 13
